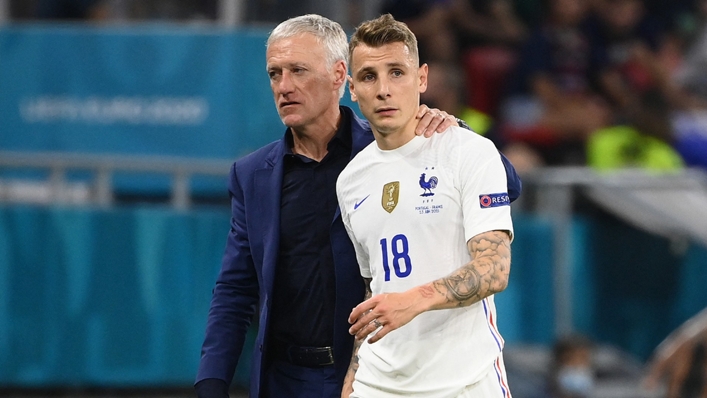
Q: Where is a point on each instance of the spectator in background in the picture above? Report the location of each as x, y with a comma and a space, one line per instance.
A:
553, 107
171, 10
446, 91
446, 29
429, 20
114, 10
474, 42
626, 45
626, 42
689, 74
487, 22
94, 10
276, 11
690, 80
572, 374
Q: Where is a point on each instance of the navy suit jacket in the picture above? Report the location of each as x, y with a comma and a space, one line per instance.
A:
245, 281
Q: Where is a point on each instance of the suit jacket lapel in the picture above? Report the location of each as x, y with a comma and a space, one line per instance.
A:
361, 134
267, 194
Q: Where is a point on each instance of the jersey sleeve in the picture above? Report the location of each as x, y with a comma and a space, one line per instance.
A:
484, 189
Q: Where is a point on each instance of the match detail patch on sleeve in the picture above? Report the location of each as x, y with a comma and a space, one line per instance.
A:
494, 200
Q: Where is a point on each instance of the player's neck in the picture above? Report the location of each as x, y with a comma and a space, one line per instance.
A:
394, 139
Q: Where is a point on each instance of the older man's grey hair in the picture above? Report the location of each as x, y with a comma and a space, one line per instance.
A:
329, 33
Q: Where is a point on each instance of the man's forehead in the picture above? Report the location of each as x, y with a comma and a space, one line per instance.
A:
305, 49
299, 39
396, 53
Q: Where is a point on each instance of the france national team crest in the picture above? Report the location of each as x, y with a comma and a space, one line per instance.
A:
494, 200
391, 192
428, 184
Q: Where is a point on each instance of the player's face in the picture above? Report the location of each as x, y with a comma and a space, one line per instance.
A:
386, 82
303, 82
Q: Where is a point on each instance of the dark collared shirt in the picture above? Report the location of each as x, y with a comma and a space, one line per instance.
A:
304, 294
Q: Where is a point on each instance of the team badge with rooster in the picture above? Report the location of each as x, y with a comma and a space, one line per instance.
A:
428, 185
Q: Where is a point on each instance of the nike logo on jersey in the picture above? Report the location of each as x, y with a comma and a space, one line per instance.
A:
356, 205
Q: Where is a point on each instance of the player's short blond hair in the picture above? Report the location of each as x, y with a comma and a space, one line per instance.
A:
381, 31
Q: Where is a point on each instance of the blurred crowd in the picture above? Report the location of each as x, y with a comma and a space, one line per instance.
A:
113, 10
603, 83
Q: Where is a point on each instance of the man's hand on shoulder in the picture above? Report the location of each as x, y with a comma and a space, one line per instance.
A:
433, 120
211, 388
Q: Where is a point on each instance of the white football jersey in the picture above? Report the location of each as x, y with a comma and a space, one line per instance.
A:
410, 212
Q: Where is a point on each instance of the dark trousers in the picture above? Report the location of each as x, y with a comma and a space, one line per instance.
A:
285, 380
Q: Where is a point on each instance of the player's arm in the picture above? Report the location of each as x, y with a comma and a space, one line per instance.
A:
353, 366
487, 273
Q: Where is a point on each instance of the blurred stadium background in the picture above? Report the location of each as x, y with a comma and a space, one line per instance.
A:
119, 120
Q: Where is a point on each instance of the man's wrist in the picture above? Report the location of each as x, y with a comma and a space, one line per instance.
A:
423, 298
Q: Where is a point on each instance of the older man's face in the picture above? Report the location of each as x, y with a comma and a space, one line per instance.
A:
303, 82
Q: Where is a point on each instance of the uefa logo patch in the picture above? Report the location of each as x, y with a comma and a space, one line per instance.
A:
494, 200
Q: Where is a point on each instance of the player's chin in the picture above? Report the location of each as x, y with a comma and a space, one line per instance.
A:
387, 128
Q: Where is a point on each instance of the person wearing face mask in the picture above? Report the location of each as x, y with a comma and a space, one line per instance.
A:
572, 372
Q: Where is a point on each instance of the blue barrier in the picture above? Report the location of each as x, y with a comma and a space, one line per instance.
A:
94, 297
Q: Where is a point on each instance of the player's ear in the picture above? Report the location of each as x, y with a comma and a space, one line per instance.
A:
351, 89
422, 75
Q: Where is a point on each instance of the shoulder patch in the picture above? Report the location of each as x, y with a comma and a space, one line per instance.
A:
494, 200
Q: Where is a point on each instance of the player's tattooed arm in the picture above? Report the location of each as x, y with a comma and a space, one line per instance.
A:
353, 366
487, 273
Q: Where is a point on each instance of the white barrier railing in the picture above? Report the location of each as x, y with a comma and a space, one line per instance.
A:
99, 189
631, 194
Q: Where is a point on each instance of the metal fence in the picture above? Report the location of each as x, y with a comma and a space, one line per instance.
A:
99, 188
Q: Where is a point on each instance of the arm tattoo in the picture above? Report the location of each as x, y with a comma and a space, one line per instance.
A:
368, 293
353, 366
464, 284
486, 274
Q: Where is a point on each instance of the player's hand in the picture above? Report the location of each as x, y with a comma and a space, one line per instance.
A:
431, 120
384, 313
